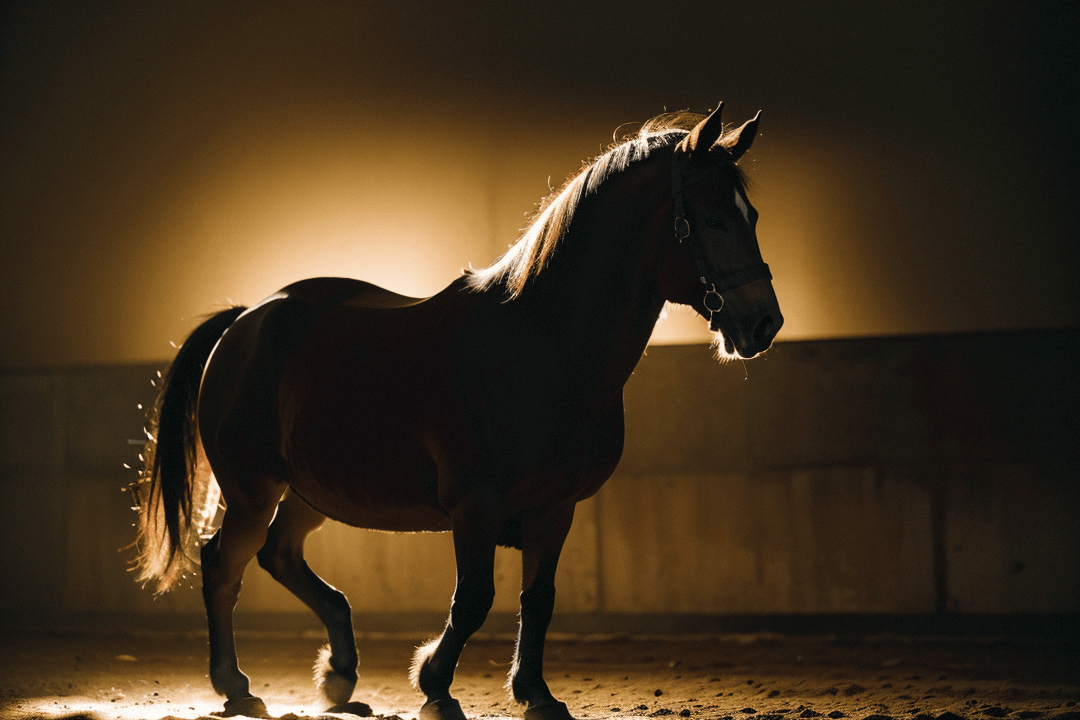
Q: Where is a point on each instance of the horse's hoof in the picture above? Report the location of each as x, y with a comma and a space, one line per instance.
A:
352, 708
549, 711
449, 709
248, 707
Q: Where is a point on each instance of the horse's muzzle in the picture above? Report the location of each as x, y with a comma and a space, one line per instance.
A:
754, 338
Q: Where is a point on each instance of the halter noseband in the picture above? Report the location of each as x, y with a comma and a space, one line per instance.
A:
714, 283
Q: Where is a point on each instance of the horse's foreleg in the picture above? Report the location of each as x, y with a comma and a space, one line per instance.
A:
283, 557
543, 535
242, 533
434, 663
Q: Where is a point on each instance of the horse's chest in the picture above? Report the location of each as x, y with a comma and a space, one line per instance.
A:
561, 449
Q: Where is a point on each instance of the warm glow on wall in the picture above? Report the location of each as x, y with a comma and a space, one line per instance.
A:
353, 200
861, 238
349, 201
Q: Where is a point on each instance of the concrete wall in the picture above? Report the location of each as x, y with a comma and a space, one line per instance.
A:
889, 475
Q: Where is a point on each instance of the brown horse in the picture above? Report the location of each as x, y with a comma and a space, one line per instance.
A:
488, 410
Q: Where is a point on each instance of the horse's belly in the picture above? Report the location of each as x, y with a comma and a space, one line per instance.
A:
372, 480
351, 430
386, 517
374, 496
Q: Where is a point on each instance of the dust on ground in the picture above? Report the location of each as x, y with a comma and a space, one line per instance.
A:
758, 677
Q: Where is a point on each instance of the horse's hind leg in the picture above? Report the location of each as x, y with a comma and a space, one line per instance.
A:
242, 533
283, 557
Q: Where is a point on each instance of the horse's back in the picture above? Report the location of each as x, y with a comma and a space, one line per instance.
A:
328, 291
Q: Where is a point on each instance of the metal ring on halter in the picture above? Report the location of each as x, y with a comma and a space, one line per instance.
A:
709, 293
682, 228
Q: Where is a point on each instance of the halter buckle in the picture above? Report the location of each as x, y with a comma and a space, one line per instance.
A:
710, 293
682, 228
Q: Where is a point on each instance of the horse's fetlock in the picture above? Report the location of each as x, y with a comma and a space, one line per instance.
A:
345, 664
420, 671
426, 680
230, 681
336, 680
516, 688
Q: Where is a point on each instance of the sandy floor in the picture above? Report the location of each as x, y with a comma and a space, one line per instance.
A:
741, 678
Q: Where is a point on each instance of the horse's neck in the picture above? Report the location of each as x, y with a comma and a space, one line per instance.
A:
598, 299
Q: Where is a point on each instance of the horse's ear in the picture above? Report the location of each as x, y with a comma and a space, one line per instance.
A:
705, 133
743, 137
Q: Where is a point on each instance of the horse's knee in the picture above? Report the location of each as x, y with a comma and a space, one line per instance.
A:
470, 608
537, 604
538, 597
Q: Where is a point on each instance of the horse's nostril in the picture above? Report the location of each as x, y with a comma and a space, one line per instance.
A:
763, 332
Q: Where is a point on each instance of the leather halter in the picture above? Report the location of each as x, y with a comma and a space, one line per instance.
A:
714, 283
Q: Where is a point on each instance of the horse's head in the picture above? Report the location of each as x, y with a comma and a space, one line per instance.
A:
713, 262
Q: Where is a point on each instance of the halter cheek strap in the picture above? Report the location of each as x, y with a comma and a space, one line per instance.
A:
714, 283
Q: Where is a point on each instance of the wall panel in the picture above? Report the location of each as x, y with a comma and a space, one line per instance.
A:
884, 475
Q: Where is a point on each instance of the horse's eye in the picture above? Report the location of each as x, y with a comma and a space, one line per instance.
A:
714, 223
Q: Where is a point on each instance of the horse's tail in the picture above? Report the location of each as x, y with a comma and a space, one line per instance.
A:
167, 536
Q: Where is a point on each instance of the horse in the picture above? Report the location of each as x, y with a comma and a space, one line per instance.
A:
487, 410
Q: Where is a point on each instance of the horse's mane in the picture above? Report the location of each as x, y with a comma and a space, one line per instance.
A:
551, 220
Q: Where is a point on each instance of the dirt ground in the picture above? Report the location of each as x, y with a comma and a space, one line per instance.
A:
759, 677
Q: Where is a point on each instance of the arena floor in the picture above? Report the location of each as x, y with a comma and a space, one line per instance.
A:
749, 677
